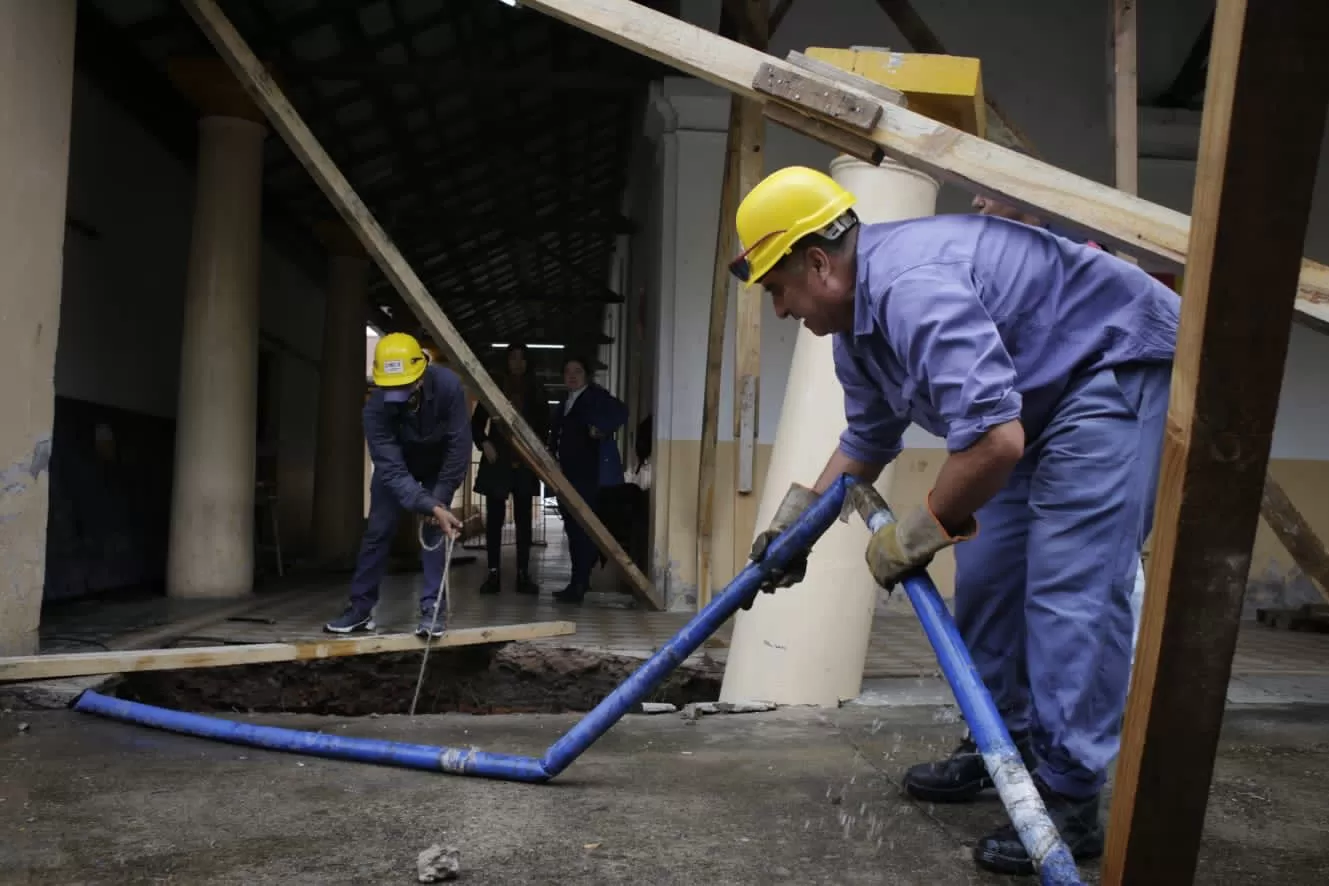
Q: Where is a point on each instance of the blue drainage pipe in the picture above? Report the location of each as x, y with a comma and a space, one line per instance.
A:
1023, 803
802, 535
317, 744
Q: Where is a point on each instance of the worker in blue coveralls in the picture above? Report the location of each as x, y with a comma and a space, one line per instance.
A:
418, 429
1045, 365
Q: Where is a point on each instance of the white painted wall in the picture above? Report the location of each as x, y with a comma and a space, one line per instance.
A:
122, 300
1046, 61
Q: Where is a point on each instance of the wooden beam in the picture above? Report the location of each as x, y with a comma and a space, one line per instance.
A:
710, 405
279, 111
1110, 216
749, 20
78, 664
747, 322
1125, 98
1254, 181
1295, 534
921, 38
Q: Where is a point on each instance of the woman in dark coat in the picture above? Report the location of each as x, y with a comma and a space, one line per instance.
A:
503, 473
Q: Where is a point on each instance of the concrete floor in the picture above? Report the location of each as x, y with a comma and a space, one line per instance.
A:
796, 795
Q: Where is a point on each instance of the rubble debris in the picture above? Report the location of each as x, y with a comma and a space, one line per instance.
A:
695, 710
438, 863
657, 707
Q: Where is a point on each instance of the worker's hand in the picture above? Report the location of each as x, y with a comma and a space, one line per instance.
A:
595, 432
490, 452
795, 502
449, 522
909, 544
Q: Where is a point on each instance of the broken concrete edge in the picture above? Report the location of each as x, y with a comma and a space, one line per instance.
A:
48, 695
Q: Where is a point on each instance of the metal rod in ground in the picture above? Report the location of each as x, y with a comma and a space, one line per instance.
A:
809, 527
1023, 803
457, 761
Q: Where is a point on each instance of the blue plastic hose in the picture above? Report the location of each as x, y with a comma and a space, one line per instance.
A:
1024, 805
798, 538
318, 744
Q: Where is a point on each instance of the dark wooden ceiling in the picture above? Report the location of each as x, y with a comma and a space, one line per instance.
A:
491, 142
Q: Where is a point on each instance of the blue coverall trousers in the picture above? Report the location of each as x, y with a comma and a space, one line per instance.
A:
375, 547
1042, 595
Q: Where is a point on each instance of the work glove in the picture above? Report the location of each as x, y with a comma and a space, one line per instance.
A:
795, 502
910, 543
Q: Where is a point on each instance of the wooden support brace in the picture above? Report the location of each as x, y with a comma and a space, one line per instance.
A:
258, 83
816, 95
1295, 534
77, 664
1125, 104
1104, 213
710, 410
1254, 182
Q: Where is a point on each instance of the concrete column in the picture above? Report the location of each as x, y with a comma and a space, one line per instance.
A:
36, 95
340, 464
808, 644
212, 509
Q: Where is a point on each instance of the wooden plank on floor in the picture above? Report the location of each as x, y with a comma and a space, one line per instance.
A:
1106, 214
260, 85
1254, 181
75, 664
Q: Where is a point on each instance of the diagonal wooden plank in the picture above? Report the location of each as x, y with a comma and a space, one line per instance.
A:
1254, 180
1111, 216
77, 664
258, 82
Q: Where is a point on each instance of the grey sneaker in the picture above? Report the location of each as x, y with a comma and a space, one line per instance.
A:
351, 621
428, 627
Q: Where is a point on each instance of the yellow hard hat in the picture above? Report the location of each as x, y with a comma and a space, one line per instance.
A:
782, 209
398, 360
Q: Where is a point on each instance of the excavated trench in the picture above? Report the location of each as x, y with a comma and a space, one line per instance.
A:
508, 679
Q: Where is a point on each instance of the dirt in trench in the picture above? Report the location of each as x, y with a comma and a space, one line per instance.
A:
513, 678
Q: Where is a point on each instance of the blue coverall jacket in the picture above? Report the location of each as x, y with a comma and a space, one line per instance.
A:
421, 457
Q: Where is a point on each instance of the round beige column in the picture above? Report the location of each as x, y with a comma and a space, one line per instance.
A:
36, 97
808, 644
340, 464
212, 509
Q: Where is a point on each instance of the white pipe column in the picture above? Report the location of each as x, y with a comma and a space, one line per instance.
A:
340, 462
212, 508
36, 96
808, 644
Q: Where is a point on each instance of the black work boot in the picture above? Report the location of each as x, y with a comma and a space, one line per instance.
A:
1076, 820
491, 585
525, 585
962, 776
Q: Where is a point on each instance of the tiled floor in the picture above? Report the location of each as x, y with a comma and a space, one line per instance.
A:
607, 620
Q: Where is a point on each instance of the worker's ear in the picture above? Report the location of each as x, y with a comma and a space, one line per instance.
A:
818, 263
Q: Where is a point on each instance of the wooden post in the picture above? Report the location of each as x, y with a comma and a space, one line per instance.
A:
1125, 110
260, 85
710, 409
1252, 200
743, 147
747, 326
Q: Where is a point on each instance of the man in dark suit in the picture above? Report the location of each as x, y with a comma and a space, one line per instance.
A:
503, 473
415, 425
581, 437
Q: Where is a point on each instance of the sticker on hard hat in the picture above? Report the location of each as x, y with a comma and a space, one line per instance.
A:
393, 367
